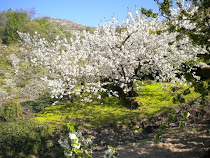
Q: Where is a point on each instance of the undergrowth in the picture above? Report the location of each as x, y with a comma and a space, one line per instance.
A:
24, 138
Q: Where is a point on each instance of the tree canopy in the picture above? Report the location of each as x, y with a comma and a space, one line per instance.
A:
15, 22
188, 12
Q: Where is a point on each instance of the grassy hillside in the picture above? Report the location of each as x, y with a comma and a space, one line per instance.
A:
13, 21
67, 24
6, 68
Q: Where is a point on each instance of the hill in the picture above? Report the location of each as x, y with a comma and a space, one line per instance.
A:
47, 27
67, 24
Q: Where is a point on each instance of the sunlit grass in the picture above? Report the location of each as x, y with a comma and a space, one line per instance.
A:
157, 97
154, 99
96, 114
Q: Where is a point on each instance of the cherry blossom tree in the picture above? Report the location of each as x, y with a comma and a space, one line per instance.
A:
116, 54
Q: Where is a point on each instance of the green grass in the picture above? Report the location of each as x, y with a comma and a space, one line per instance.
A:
111, 111
156, 97
5, 66
94, 113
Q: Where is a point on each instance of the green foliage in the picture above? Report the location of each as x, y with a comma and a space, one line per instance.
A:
89, 29
4, 65
45, 28
149, 12
158, 137
178, 99
52, 29
198, 35
182, 125
98, 113
156, 97
11, 111
32, 27
3, 19
15, 22
20, 139
42, 22
71, 127
38, 105
200, 86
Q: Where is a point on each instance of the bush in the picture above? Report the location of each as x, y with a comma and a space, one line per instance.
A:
11, 111
39, 104
23, 138
15, 21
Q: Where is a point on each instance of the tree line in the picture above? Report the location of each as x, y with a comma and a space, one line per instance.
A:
21, 20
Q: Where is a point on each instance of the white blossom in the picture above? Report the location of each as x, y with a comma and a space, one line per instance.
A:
111, 153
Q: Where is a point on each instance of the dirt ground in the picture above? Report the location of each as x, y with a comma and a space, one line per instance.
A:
190, 142
193, 141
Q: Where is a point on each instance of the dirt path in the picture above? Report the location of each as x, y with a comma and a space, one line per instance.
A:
190, 142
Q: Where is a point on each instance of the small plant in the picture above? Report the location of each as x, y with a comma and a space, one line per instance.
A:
76, 145
111, 153
158, 137
11, 111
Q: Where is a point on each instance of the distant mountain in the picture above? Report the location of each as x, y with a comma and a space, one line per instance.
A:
67, 24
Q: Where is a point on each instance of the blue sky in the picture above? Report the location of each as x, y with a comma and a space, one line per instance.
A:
86, 12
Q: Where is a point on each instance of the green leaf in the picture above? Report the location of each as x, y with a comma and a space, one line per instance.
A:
175, 100
187, 91
182, 125
185, 115
70, 127
171, 43
182, 100
158, 137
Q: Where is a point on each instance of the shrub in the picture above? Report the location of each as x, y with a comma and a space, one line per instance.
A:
23, 138
11, 111
39, 104
15, 21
